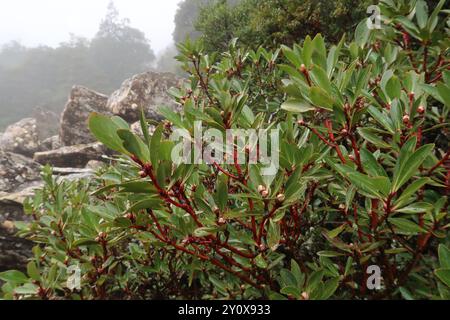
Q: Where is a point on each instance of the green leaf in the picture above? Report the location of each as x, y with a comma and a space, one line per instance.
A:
320, 78
420, 207
369, 135
155, 144
371, 164
444, 256
329, 288
410, 190
382, 119
321, 98
84, 242
337, 231
33, 271
144, 126
296, 271
105, 129
307, 51
410, 166
394, 87
409, 26
443, 275
422, 13
444, 93
13, 276
205, 231
261, 262
134, 145
329, 254
433, 21
297, 106
377, 187
27, 289
273, 235
362, 33
150, 203
291, 291
406, 225
222, 192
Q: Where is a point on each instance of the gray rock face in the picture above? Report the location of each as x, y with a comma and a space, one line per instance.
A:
47, 123
73, 156
73, 125
21, 137
16, 171
51, 143
14, 251
147, 90
19, 176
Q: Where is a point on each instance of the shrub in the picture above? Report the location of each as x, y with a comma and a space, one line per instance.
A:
362, 182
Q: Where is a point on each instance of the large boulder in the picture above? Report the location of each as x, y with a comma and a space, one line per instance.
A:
21, 137
73, 125
19, 176
72, 156
147, 90
16, 171
14, 251
47, 123
51, 143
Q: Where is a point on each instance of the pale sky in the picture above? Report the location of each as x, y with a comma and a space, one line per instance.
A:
49, 22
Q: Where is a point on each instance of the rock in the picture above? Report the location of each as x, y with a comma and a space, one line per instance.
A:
14, 251
72, 156
47, 123
94, 165
137, 129
51, 143
73, 125
21, 137
72, 171
147, 90
17, 170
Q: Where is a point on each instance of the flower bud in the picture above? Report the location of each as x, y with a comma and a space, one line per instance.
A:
303, 68
305, 296
301, 122
406, 119
421, 110
261, 188
281, 197
265, 193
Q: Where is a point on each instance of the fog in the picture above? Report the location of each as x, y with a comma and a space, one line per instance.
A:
49, 22
48, 46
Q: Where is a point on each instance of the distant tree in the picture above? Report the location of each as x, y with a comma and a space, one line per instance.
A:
44, 76
118, 50
185, 18
274, 22
221, 21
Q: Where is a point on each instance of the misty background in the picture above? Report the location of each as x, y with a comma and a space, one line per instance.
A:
47, 46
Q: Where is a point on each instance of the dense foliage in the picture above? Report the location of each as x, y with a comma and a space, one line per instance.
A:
273, 22
43, 76
363, 180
